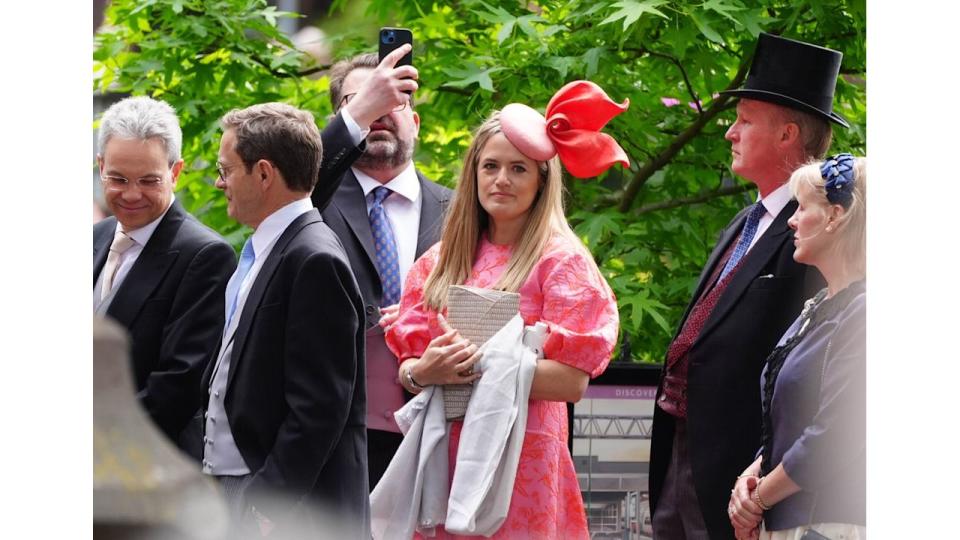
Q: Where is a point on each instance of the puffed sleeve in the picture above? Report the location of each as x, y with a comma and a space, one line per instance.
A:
580, 311
417, 324
836, 438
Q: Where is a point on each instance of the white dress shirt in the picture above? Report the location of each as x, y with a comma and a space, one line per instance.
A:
220, 453
774, 203
403, 211
140, 238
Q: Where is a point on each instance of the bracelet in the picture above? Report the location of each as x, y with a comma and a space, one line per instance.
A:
413, 384
756, 496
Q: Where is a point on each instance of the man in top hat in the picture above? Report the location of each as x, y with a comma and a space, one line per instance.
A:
706, 426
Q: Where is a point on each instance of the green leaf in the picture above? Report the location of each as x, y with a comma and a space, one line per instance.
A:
495, 14
592, 58
143, 24
631, 10
472, 74
706, 29
560, 63
754, 21
724, 9
505, 31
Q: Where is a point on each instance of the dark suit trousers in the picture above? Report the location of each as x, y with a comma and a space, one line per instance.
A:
678, 516
381, 446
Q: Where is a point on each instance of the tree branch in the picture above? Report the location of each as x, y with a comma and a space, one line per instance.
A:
311, 71
696, 199
454, 90
719, 105
673, 60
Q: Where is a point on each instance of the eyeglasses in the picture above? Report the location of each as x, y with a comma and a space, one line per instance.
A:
119, 183
348, 97
224, 170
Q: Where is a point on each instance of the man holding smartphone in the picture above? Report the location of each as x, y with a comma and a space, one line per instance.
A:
384, 211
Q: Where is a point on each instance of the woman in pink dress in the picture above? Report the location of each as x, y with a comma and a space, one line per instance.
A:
506, 230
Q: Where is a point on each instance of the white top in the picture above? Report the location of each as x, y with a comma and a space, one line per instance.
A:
220, 453
140, 238
403, 212
774, 203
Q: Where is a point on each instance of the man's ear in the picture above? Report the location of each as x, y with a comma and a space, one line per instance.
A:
175, 171
789, 133
266, 173
416, 122
100, 162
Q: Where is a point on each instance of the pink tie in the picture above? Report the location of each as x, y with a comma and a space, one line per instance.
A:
121, 243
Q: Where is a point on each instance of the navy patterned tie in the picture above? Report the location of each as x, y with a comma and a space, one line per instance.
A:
386, 248
749, 231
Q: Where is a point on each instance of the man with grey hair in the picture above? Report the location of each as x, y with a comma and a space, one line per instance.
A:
285, 394
368, 162
156, 269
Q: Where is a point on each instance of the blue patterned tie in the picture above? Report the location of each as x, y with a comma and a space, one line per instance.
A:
749, 231
243, 268
386, 248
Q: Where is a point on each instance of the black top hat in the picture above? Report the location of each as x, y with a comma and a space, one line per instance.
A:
793, 74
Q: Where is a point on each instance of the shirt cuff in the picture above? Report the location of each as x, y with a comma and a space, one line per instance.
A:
356, 133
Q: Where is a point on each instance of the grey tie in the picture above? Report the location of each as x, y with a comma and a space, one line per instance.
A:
121, 243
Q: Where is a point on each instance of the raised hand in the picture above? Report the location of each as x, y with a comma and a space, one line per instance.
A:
387, 88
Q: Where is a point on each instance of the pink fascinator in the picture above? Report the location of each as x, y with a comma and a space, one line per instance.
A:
575, 116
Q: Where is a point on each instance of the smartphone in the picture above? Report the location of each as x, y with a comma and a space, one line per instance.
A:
391, 38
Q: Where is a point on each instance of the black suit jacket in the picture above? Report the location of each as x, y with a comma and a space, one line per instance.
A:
171, 302
723, 382
295, 395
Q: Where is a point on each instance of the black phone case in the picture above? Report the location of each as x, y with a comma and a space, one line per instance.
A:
391, 38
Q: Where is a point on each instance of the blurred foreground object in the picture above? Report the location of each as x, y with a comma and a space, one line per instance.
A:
143, 487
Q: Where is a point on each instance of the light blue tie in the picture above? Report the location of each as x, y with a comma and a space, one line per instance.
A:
749, 231
243, 268
385, 247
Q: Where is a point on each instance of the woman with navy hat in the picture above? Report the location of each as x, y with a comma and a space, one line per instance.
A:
809, 478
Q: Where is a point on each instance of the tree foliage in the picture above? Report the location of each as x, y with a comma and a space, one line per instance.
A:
650, 227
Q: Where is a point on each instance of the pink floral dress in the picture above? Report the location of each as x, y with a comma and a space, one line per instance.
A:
566, 291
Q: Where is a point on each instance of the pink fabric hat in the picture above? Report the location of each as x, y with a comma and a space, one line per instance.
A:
575, 116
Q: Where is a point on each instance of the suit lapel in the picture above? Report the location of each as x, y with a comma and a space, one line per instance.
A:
260, 284
352, 205
755, 260
151, 266
726, 237
431, 215
101, 248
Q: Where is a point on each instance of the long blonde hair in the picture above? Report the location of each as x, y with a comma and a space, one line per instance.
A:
467, 220
851, 244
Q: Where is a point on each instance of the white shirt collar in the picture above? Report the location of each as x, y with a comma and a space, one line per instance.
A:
406, 183
142, 235
273, 226
777, 200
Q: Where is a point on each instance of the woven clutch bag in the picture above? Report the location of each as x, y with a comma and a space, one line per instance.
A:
477, 314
